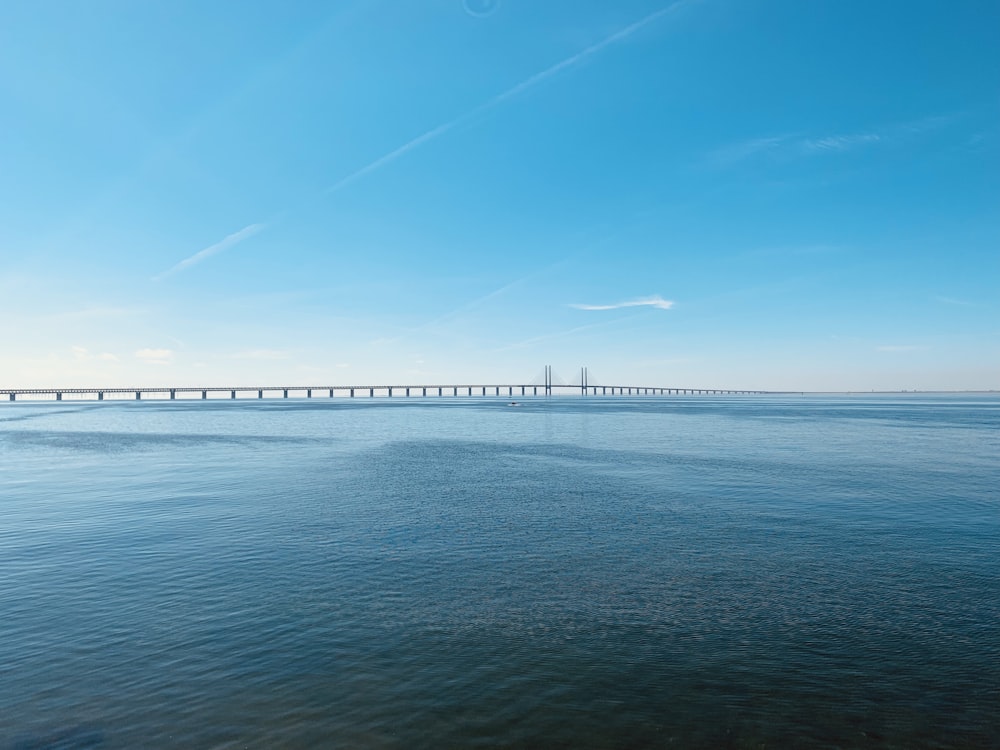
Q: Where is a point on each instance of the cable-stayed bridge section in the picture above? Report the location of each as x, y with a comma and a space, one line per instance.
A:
356, 391
546, 388
508, 390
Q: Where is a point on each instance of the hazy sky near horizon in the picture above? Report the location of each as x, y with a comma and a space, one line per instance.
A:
769, 194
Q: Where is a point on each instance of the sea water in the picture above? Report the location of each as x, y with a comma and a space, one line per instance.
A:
686, 572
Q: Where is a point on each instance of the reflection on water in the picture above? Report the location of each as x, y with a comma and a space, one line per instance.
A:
601, 573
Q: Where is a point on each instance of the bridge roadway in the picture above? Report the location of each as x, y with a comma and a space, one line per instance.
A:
352, 391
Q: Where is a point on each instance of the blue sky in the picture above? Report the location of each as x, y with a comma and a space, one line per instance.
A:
768, 194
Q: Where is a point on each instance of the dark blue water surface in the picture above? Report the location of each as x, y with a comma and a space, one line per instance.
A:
746, 572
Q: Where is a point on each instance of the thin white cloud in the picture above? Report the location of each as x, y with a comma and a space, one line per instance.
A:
155, 356
510, 93
267, 354
382, 342
568, 332
954, 301
736, 152
83, 354
787, 145
840, 142
95, 312
218, 247
932, 122
656, 301
496, 293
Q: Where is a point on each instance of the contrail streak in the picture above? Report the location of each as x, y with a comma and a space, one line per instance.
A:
440, 130
510, 93
656, 301
218, 247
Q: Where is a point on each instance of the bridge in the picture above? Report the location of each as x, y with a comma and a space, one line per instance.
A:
509, 390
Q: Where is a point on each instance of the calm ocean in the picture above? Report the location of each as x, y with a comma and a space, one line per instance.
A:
689, 572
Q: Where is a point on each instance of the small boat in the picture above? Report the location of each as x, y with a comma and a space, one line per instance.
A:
513, 403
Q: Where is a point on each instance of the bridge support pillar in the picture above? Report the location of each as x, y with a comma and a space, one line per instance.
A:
309, 393
371, 393
285, 393
331, 393
352, 393
484, 391
173, 394
138, 395
454, 391
58, 397
535, 392
13, 397
522, 390
425, 391
407, 392
100, 396
440, 391
232, 394
204, 395
390, 391
260, 393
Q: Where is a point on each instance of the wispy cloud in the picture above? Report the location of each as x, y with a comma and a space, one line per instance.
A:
737, 152
82, 354
816, 145
155, 356
840, 142
789, 145
954, 301
510, 93
465, 309
266, 354
565, 333
223, 244
94, 312
656, 301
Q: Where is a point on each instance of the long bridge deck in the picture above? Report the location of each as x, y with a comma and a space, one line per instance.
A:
370, 391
